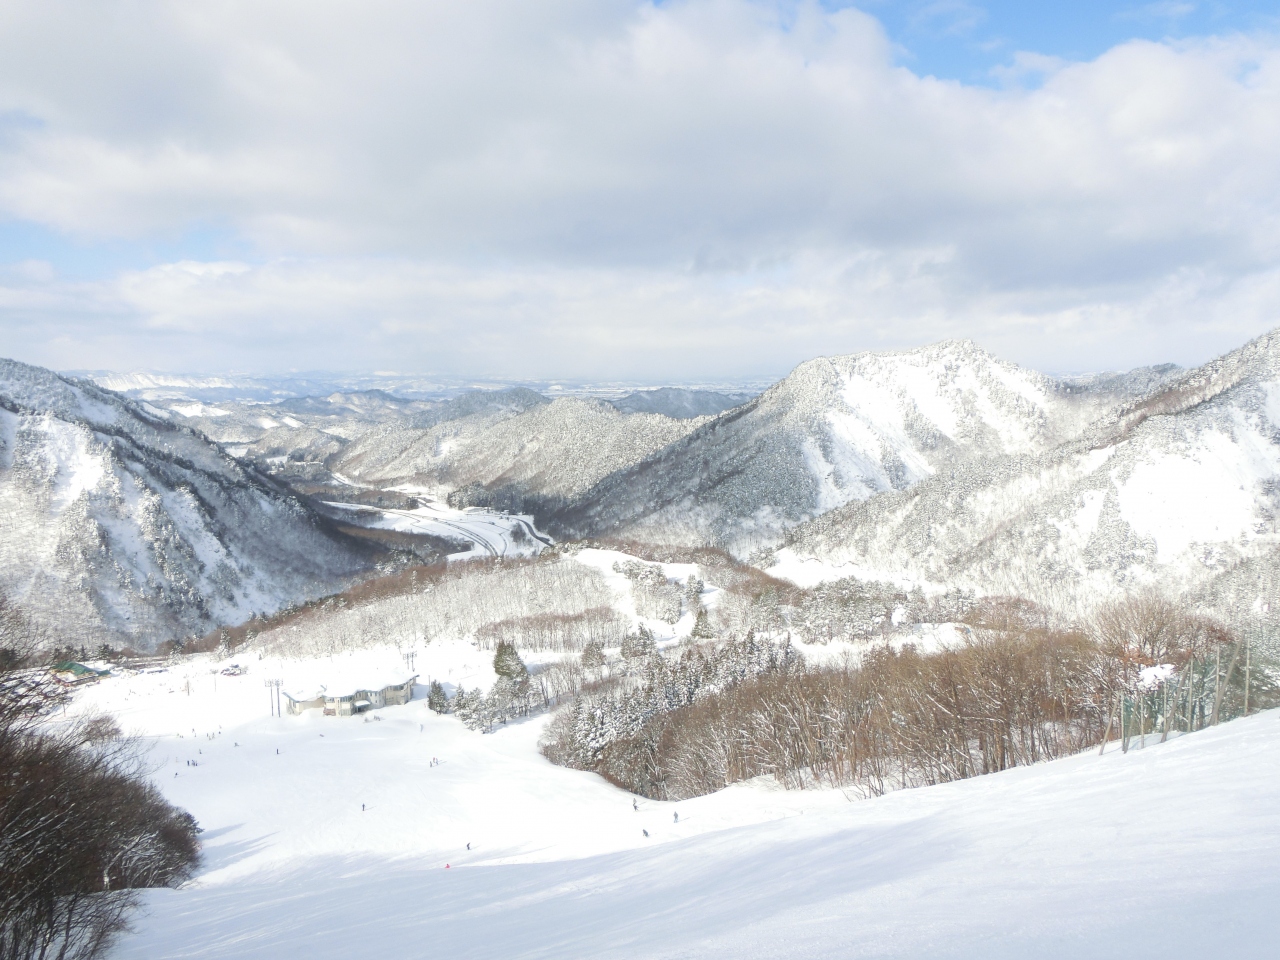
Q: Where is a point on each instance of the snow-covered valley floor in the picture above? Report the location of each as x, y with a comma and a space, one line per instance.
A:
1171, 851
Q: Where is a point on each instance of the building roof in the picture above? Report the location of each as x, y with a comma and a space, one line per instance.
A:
349, 686
77, 669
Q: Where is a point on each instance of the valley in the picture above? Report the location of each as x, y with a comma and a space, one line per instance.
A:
769, 678
943, 467
700, 480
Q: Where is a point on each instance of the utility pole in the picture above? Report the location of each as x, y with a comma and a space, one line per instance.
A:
1217, 683
273, 694
1246, 678
1266, 609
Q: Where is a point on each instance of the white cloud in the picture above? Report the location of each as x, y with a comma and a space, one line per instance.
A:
632, 323
591, 181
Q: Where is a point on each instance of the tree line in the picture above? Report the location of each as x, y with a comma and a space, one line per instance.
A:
82, 829
1018, 689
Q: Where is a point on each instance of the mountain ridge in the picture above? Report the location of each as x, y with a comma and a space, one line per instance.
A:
121, 526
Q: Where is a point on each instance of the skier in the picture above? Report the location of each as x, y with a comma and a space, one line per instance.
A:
634, 805
362, 808
468, 846
675, 816
645, 832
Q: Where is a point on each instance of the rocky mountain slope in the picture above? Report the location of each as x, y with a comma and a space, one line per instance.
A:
119, 525
1179, 489
836, 431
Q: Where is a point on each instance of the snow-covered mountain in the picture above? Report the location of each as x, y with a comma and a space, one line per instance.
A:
294, 437
836, 431
536, 451
679, 402
1180, 489
119, 525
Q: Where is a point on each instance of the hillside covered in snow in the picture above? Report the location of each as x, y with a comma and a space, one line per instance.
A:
835, 431
119, 526
324, 835
1179, 490
530, 452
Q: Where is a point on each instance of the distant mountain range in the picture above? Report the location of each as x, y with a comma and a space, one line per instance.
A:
680, 403
944, 466
241, 388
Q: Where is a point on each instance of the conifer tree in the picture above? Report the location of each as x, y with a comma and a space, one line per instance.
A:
510, 695
593, 656
436, 698
639, 645
507, 663
702, 626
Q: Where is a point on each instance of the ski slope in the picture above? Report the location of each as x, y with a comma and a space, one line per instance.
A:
1170, 851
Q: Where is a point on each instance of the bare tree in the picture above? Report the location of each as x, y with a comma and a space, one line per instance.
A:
81, 828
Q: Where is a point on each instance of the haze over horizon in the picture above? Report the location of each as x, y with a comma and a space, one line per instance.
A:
708, 190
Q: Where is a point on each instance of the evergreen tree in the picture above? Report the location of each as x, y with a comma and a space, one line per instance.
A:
639, 645
436, 698
693, 593
507, 663
465, 705
702, 626
592, 656
510, 694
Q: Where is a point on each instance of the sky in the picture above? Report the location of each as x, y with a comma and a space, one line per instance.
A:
650, 191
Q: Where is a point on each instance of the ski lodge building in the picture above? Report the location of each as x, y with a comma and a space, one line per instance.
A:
348, 701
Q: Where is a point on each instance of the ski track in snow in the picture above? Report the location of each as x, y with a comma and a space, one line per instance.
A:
1166, 851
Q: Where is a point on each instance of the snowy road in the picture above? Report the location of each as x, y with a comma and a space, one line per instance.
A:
491, 534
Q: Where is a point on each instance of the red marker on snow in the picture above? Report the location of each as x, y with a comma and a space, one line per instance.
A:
446, 866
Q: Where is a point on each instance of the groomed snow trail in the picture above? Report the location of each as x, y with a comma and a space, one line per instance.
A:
1172, 851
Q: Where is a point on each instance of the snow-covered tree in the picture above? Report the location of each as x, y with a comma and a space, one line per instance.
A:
436, 698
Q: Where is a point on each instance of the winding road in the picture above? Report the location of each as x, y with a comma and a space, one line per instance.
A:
490, 532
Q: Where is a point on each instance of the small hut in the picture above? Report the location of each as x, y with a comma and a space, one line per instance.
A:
71, 674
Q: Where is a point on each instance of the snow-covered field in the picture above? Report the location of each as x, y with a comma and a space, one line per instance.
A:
1171, 851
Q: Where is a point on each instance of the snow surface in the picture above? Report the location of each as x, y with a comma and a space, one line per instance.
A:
1207, 494
663, 632
197, 409
1168, 851
811, 572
